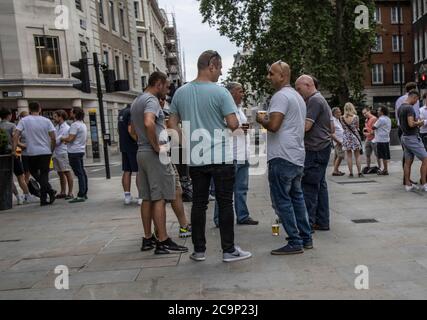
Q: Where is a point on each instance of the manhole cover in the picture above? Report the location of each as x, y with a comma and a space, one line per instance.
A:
357, 182
365, 221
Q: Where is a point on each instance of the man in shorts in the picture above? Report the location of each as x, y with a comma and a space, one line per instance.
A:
411, 140
157, 177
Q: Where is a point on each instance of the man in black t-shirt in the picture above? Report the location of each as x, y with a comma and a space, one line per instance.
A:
129, 149
411, 140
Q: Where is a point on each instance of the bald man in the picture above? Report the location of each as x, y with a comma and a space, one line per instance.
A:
285, 155
319, 127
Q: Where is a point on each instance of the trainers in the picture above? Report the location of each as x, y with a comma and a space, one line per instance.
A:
249, 222
69, 197
128, 200
424, 188
77, 200
198, 256
237, 255
172, 246
185, 232
411, 188
20, 200
52, 196
148, 244
308, 245
139, 202
287, 250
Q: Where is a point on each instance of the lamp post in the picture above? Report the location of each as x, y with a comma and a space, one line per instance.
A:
400, 41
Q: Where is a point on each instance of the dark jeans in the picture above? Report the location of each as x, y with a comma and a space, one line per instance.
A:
76, 163
288, 200
223, 176
315, 187
39, 169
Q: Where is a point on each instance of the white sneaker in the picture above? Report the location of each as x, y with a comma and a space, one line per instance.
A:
411, 188
139, 202
237, 255
128, 200
425, 188
19, 200
30, 199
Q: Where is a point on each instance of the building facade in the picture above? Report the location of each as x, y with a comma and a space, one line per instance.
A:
391, 62
419, 9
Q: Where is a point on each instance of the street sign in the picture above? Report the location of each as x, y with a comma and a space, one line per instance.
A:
12, 94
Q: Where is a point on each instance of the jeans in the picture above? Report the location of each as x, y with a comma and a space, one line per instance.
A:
39, 169
241, 188
76, 163
315, 187
223, 176
288, 200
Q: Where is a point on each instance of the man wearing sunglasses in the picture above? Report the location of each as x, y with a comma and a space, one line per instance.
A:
207, 110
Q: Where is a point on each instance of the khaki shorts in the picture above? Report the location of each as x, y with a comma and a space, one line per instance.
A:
157, 180
339, 152
61, 163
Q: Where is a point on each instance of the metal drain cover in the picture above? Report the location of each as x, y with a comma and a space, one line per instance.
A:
359, 193
365, 221
357, 182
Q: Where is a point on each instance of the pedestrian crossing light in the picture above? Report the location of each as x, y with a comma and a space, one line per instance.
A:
83, 75
423, 81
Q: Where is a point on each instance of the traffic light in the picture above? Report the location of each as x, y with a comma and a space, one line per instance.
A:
83, 75
422, 81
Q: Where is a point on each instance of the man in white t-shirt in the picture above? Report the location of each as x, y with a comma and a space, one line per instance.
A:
40, 141
240, 145
382, 130
76, 142
423, 116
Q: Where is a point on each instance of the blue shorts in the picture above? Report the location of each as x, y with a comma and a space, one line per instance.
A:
129, 163
414, 147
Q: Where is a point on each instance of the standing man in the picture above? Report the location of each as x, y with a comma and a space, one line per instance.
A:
129, 149
203, 106
157, 178
319, 128
382, 138
411, 141
61, 164
240, 147
338, 137
369, 134
76, 142
423, 116
285, 156
40, 143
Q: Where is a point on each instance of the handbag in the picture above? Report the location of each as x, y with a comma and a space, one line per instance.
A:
34, 188
354, 134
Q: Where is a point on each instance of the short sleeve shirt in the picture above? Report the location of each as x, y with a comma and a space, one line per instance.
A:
127, 144
383, 128
369, 123
202, 107
288, 142
405, 111
79, 130
318, 112
37, 138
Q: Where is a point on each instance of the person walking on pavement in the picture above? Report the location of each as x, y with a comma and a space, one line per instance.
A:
241, 148
61, 164
286, 155
319, 127
157, 177
40, 144
18, 170
202, 105
129, 149
352, 142
76, 147
338, 137
411, 141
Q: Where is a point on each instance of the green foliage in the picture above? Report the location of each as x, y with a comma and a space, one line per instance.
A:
4, 142
314, 37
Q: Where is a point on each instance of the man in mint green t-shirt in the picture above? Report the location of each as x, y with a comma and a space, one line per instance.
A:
208, 113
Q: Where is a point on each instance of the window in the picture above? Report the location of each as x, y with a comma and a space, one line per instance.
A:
122, 21
143, 82
140, 47
136, 8
48, 56
79, 5
397, 79
127, 70
377, 74
395, 15
106, 58
101, 11
112, 14
397, 45
420, 8
416, 48
117, 61
110, 122
377, 15
378, 47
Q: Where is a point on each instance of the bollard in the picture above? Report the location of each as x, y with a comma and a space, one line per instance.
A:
6, 176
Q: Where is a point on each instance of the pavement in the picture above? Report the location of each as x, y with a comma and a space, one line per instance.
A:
99, 242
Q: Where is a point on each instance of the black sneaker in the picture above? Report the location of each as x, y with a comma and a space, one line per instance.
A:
249, 222
161, 249
287, 250
148, 244
172, 246
308, 245
52, 196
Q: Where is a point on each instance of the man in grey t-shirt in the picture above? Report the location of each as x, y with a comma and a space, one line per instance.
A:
319, 127
285, 148
157, 179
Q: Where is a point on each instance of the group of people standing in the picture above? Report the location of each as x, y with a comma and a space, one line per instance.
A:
35, 141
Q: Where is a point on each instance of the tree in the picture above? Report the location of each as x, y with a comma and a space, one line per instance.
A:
314, 37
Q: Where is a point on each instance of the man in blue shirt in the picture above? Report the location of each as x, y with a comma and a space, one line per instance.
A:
207, 112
